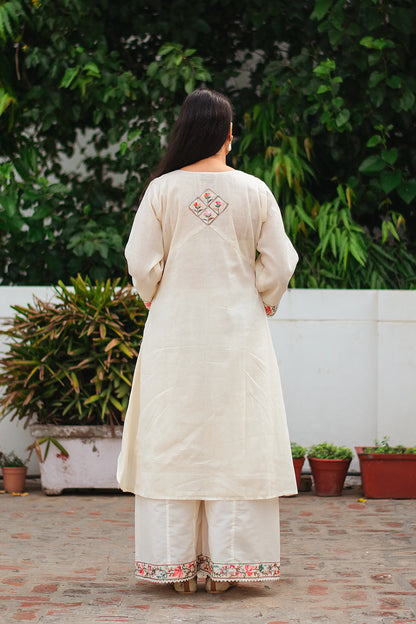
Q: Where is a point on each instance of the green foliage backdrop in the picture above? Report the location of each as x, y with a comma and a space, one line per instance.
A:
324, 95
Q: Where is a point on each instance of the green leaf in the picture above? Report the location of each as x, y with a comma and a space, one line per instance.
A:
133, 134
323, 70
377, 95
58, 188
407, 100
5, 100
166, 79
390, 156
372, 164
342, 118
69, 76
123, 147
189, 85
326, 116
92, 399
376, 44
341, 194
390, 180
116, 403
375, 78
60, 447
92, 69
374, 58
167, 48
323, 89
125, 349
75, 383
152, 69
374, 140
304, 216
367, 42
407, 191
394, 82
321, 9
387, 228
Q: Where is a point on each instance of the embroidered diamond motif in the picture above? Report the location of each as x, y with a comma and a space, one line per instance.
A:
208, 206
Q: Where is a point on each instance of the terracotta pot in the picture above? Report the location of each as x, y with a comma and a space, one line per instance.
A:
14, 478
329, 475
387, 475
298, 464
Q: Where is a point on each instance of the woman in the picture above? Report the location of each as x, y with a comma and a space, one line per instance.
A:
205, 444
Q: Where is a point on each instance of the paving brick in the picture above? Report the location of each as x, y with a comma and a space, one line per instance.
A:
70, 561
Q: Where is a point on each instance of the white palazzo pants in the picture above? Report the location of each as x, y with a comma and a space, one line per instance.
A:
227, 540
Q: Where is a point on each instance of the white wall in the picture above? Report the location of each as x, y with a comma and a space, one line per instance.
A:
12, 435
348, 365
347, 361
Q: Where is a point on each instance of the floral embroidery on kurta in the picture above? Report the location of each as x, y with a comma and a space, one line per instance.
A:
169, 573
208, 206
270, 309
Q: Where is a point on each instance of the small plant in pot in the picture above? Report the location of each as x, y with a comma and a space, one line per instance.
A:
68, 373
14, 472
298, 456
329, 464
388, 471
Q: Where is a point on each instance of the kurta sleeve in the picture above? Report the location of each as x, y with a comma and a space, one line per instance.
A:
144, 249
277, 258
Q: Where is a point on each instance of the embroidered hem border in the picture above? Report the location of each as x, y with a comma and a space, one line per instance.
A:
168, 573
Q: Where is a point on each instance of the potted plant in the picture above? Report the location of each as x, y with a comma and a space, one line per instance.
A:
329, 464
298, 457
388, 471
68, 371
14, 472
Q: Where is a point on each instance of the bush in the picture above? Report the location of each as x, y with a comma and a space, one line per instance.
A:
384, 447
327, 119
11, 461
325, 450
297, 451
71, 361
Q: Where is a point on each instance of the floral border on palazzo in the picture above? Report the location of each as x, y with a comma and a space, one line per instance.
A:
166, 573
239, 571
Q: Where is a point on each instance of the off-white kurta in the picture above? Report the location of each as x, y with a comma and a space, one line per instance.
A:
206, 418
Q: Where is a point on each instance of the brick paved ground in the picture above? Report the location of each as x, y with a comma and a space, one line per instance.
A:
69, 559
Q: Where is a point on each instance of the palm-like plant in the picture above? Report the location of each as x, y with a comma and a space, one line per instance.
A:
71, 361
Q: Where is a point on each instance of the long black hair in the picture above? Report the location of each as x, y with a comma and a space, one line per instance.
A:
199, 132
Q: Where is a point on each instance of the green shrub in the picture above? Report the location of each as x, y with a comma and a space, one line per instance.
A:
71, 361
11, 461
327, 119
297, 451
384, 447
325, 450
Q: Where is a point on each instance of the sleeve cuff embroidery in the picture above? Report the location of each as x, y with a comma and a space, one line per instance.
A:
270, 309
